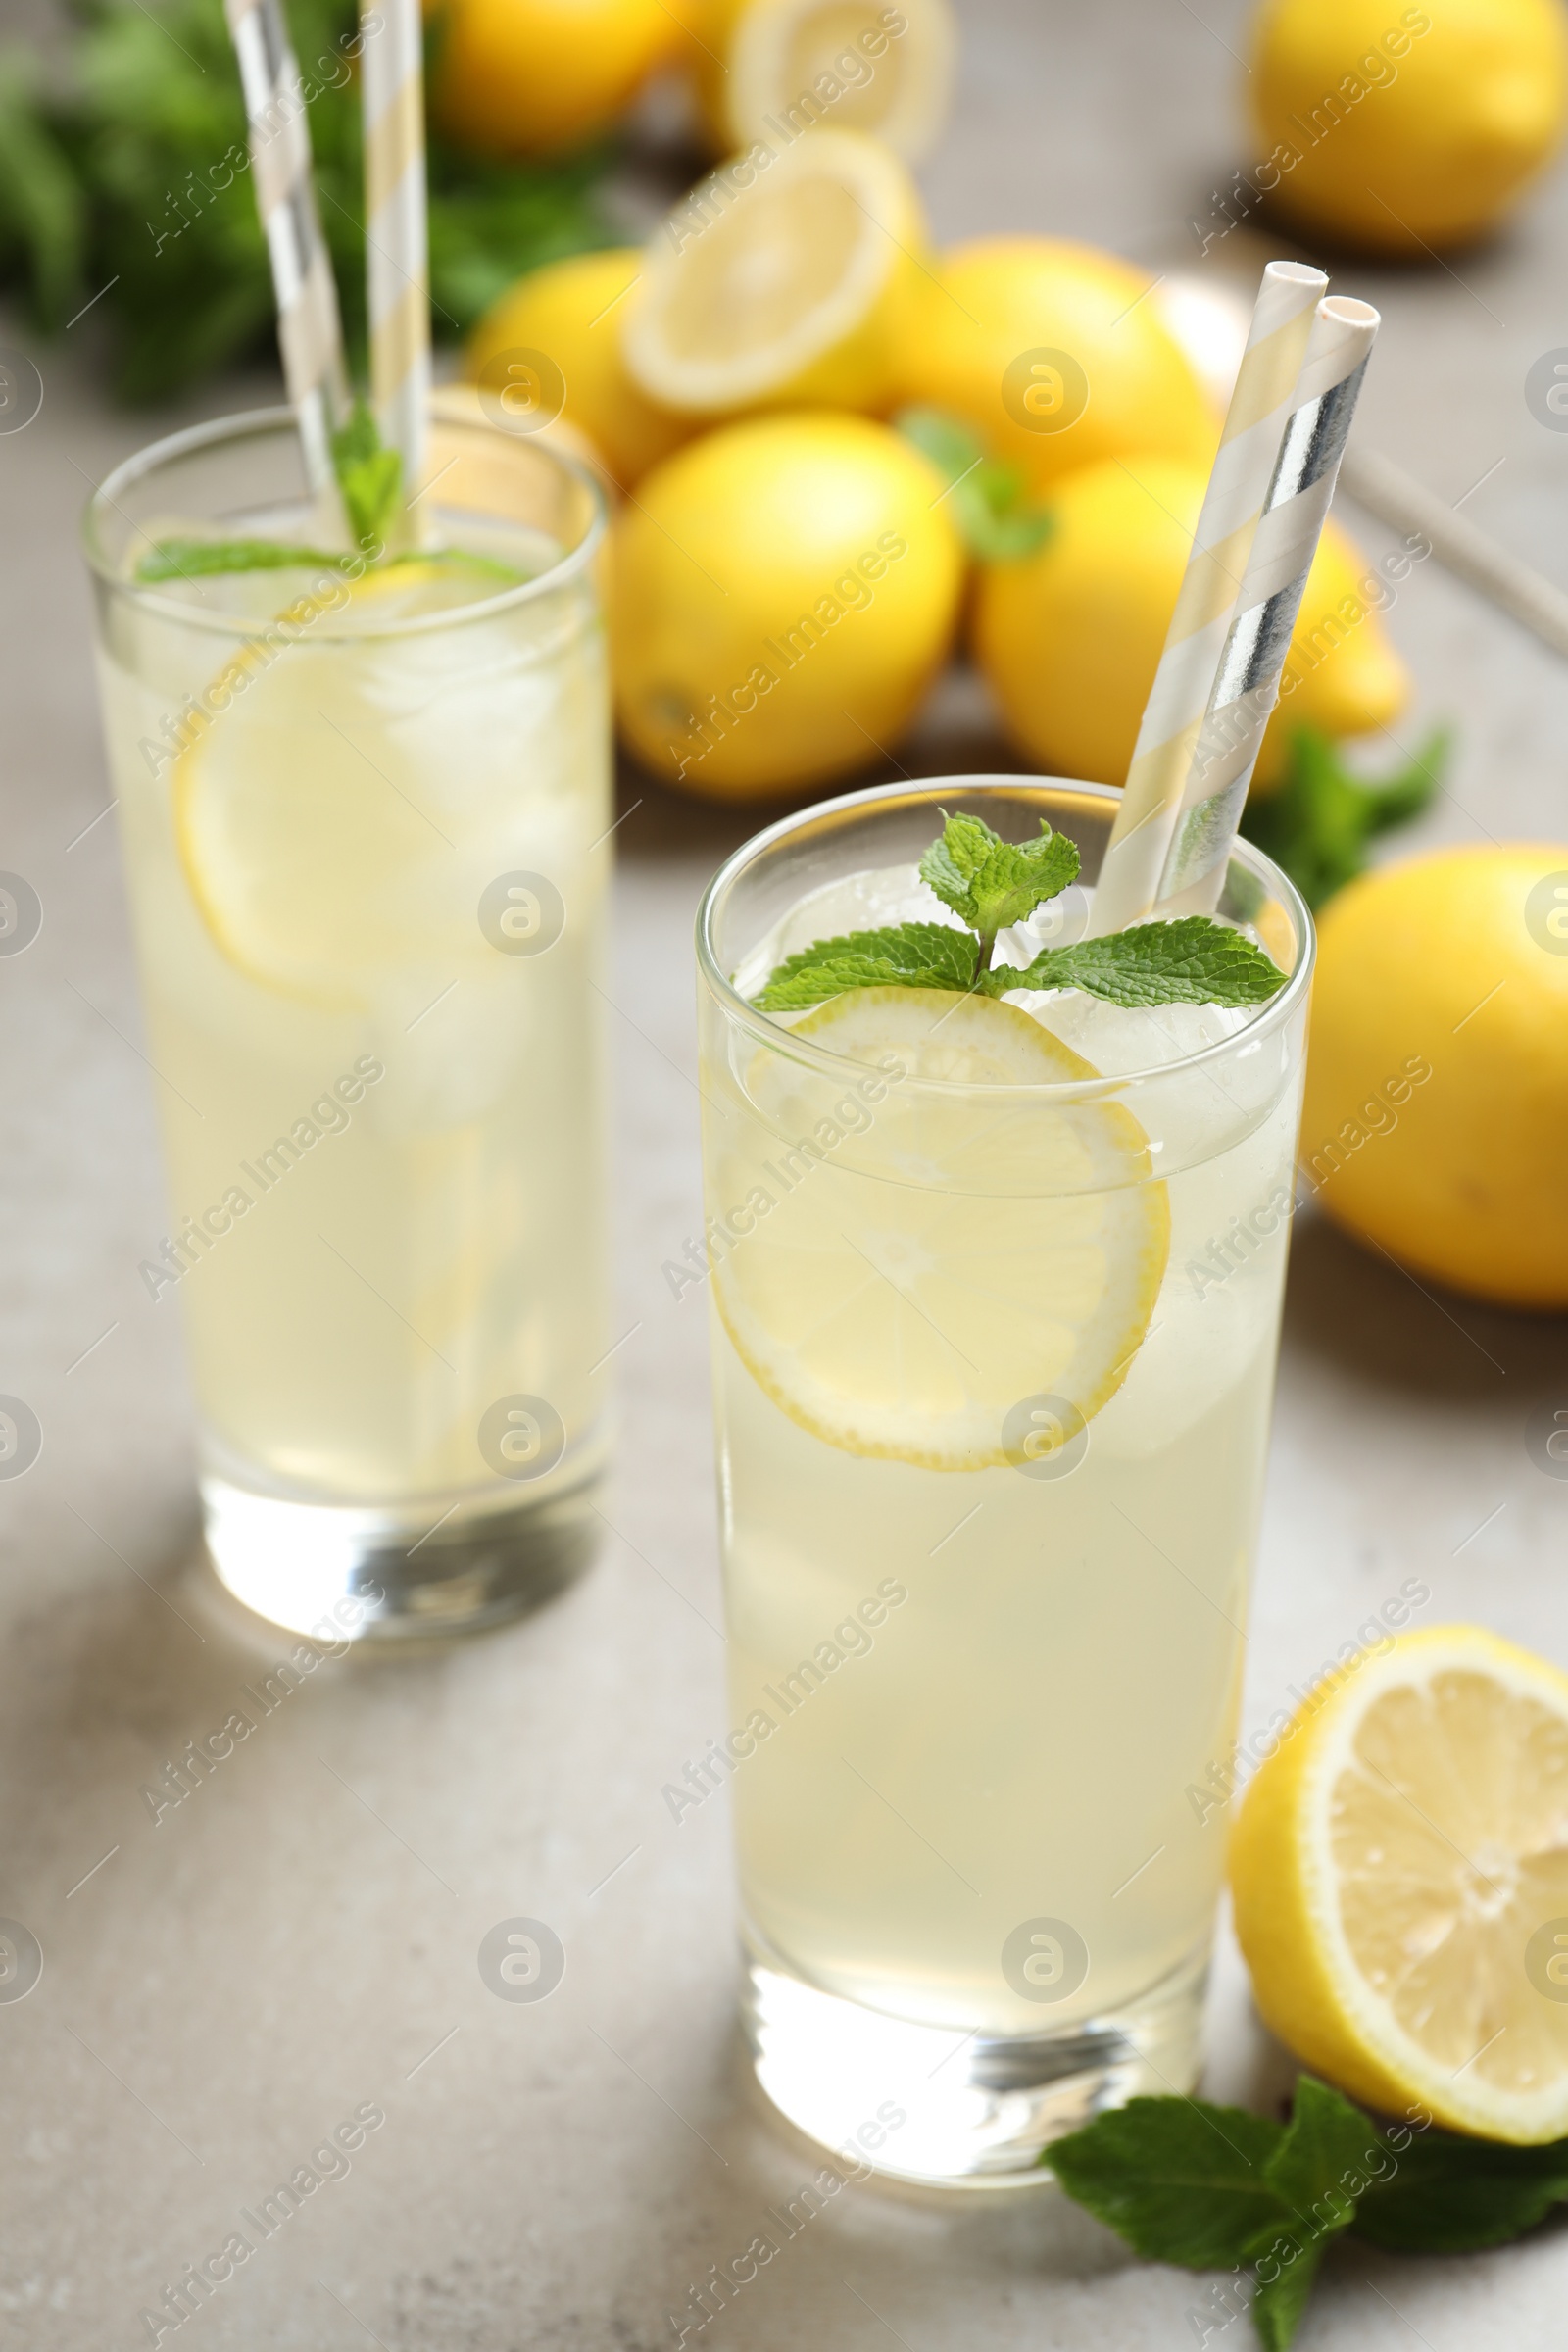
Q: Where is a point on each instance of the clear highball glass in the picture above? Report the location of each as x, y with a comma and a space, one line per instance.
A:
365, 833
993, 1349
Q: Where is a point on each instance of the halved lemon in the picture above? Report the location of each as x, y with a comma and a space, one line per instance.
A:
854, 64
1400, 1876
779, 282
927, 1264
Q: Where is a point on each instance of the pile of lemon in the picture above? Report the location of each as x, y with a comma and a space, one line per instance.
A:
787, 574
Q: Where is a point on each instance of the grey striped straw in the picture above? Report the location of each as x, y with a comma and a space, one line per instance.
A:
1265, 394
309, 332
1246, 683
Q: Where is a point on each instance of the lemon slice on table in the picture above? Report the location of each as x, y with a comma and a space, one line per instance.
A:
304, 823
783, 283
1400, 1876
954, 1262
792, 62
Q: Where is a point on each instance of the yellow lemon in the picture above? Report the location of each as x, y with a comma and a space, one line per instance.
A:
570, 315
1054, 354
782, 593
777, 67
1436, 1121
1399, 1868
1340, 674
1070, 638
782, 278
537, 76
912, 1341
461, 403
1406, 130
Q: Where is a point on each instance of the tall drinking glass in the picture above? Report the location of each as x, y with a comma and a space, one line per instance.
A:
365, 823
996, 1296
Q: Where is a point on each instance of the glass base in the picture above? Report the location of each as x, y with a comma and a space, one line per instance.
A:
412, 1574
929, 2104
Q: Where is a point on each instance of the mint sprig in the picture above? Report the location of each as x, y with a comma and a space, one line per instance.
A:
1319, 820
204, 559
995, 518
991, 885
1213, 2189
370, 477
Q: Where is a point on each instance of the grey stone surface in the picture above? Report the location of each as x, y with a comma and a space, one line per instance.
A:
302, 1937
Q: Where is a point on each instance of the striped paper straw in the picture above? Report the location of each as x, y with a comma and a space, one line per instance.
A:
1260, 402
397, 247
310, 335
1247, 682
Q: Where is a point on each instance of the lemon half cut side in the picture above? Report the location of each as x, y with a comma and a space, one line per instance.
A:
1400, 1878
908, 1290
779, 282
852, 64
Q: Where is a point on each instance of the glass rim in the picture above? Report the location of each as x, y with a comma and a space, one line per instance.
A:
255, 423
1269, 1017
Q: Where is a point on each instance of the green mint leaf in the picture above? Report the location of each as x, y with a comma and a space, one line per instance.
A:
991, 883
903, 955
952, 863
1444, 2194
987, 498
1279, 2303
368, 475
197, 559
1193, 960
1328, 2155
1317, 823
952, 447
1181, 2181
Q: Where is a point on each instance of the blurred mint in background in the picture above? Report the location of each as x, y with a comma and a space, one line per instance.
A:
125, 178
1317, 821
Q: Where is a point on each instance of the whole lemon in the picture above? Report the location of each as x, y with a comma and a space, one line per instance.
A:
781, 594
1050, 351
1340, 674
1070, 638
1435, 1120
537, 76
1400, 130
569, 312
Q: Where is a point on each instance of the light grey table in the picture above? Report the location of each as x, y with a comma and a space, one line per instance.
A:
299, 1938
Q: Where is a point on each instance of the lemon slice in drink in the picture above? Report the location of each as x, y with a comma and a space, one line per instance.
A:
780, 284
304, 823
795, 61
1400, 1876
958, 1273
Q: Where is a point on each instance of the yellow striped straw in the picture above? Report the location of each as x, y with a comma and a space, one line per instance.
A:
310, 335
1237, 487
397, 249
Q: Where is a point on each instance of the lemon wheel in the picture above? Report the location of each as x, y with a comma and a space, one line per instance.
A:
1400, 1876
305, 828
978, 1253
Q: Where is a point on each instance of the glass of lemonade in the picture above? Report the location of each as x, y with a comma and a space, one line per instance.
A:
366, 824
996, 1291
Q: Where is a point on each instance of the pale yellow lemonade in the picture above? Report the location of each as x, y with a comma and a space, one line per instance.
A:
381, 1091
994, 1368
